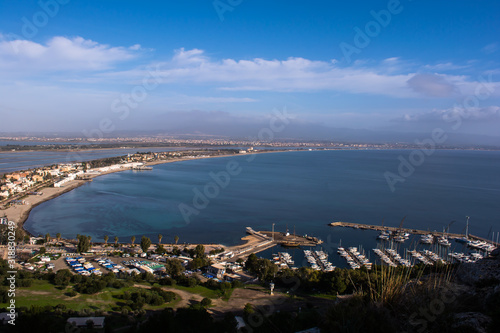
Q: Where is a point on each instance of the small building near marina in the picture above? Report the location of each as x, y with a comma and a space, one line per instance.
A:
217, 269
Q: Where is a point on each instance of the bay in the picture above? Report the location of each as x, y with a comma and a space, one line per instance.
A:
296, 190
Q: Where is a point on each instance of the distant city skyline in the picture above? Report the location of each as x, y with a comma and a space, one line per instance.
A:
220, 67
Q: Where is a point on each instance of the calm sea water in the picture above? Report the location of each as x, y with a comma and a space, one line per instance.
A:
21, 160
301, 190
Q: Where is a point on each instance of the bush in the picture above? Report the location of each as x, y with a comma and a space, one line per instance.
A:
237, 284
24, 282
71, 293
167, 281
206, 302
90, 285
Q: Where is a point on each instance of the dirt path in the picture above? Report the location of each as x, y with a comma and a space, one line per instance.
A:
242, 296
186, 297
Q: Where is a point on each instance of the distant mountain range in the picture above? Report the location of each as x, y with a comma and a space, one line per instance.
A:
200, 124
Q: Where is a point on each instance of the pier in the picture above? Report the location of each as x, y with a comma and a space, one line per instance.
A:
408, 230
258, 241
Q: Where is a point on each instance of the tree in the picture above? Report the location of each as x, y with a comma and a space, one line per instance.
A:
199, 251
62, 277
47, 237
116, 240
174, 267
160, 249
248, 309
58, 236
176, 239
198, 263
106, 239
206, 302
42, 250
160, 236
132, 240
83, 244
145, 243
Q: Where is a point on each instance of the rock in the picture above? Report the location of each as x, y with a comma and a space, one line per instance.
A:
475, 321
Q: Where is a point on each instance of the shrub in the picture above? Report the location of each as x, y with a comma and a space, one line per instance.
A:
206, 302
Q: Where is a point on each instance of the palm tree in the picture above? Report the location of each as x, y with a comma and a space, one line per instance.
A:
106, 240
160, 236
58, 236
132, 239
176, 239
116, 240
47, 238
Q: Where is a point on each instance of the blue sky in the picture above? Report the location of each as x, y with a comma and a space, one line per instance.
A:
66, 65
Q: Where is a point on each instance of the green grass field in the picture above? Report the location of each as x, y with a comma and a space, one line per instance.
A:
43, 293
200, 290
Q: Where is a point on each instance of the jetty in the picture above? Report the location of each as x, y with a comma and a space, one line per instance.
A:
142, 168
406, 230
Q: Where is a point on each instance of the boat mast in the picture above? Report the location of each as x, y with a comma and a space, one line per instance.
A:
467, 228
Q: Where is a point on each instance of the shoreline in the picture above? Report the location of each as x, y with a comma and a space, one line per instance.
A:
20, 213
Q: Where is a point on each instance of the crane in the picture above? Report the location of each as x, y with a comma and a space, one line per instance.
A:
449, 225
401, 224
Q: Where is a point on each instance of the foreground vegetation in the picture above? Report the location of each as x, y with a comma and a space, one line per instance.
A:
417, 299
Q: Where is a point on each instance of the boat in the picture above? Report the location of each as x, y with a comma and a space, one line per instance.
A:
427, 239
399, 239
443, 241
384, 235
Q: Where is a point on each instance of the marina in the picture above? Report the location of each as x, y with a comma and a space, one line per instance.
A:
283, 260
318, 260
354, 258
397, 233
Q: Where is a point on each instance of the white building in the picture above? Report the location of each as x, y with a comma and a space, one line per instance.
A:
217, 269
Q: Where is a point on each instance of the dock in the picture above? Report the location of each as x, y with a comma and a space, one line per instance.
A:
142, 168
408, 230
258, 241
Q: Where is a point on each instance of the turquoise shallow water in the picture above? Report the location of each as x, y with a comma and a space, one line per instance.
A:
302, 189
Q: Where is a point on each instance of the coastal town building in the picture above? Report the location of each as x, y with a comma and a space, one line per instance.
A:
217, 269
37, 178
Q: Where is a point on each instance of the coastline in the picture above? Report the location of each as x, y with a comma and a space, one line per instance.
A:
20, 213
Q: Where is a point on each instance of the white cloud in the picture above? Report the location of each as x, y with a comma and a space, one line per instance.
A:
61, 54
292, 74
490, 48
446, 66
389, 78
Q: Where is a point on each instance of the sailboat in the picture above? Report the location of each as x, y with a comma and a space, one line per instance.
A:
465, 239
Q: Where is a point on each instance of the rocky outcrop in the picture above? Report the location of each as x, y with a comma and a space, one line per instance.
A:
474, 322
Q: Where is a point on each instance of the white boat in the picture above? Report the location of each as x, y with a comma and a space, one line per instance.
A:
427, 239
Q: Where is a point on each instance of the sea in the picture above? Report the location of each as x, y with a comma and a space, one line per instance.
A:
213, 200
22, 160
